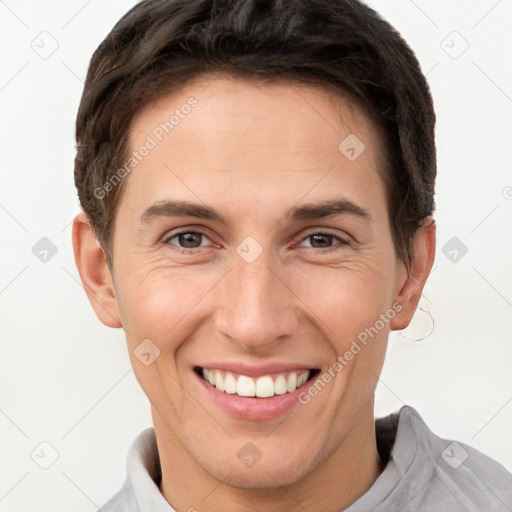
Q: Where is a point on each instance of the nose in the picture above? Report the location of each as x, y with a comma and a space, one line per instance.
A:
257, 307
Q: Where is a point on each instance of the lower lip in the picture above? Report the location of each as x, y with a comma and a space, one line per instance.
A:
254, 409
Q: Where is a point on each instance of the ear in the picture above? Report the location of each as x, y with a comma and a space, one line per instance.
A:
410, 282
94, 272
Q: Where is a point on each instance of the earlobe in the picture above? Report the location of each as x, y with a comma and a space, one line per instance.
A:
410, 283
94, 273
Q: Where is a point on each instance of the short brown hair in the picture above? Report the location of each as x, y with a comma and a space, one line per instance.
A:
160, 45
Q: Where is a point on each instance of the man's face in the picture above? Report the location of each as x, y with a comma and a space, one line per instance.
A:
256, 276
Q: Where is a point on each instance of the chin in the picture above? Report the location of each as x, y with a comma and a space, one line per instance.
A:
264, 474
261, 478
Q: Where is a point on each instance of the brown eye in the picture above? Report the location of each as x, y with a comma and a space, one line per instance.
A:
188, 240
322, 241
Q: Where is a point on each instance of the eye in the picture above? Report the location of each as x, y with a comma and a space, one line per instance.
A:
322, 240
188, 239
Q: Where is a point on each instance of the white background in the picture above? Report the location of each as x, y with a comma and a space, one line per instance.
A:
66, 379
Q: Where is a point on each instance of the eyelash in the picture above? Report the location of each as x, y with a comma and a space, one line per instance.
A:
341, 242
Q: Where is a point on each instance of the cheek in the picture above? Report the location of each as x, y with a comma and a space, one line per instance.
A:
165, 306
345, 301
158, 304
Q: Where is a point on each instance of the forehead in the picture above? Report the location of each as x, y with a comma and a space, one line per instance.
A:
276, 138
271, 104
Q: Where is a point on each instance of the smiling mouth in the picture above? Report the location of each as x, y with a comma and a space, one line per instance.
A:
265, 386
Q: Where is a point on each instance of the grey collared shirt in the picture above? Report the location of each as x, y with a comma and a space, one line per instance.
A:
423, 473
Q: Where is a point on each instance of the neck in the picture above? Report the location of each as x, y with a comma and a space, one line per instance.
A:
334, 485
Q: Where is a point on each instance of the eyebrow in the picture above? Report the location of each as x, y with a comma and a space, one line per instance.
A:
181, 209
327, 209
302, 212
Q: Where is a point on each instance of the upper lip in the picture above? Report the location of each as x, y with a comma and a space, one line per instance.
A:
256, 370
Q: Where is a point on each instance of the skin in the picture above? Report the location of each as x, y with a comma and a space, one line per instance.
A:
253, 152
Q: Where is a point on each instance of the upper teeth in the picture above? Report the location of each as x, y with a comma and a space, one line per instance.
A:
262, 387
